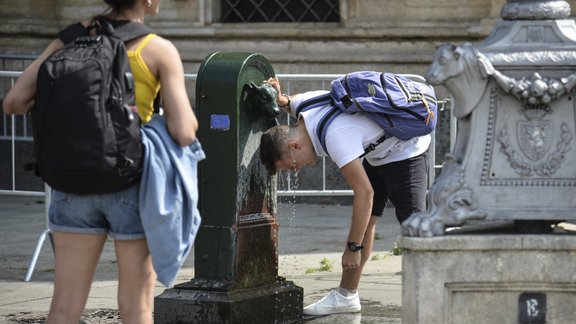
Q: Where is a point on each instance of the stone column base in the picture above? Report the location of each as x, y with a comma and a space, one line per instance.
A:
276, 303
489, 279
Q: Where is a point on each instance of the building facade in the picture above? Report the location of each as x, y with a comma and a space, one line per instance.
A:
296, 36
312, 36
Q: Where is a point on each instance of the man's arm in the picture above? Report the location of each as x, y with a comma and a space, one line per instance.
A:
362, 208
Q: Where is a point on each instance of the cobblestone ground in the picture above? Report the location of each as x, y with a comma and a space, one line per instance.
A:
95, 316
372, 313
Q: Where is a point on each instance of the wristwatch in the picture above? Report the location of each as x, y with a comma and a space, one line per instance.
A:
288, 103
353, 246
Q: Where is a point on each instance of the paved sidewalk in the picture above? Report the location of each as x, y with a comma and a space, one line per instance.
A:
308, 234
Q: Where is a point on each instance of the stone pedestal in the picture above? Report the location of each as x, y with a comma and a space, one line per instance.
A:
489, 279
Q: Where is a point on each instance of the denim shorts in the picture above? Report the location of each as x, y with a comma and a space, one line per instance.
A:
404, 183
115, 214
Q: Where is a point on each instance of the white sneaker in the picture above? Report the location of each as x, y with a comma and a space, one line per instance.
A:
334, 303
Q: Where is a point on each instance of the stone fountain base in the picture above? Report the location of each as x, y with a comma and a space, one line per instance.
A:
187, 303
489, 279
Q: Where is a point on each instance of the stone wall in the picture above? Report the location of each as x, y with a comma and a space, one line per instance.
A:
385, 35
373, 34
390, 35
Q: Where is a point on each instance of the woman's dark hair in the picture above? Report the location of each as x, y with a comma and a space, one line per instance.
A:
119, 5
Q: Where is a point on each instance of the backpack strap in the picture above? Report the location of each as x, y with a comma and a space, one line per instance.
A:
317, 102
333, 112
132, 30
70, 33
328, 118
312, 103
349, 100
372, 146
128, 30
124, 29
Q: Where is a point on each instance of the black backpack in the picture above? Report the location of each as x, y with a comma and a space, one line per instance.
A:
86, 125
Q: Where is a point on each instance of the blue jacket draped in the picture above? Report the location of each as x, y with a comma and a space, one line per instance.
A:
169, 198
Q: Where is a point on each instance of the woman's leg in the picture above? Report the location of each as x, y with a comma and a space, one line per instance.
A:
136, 279
76, 258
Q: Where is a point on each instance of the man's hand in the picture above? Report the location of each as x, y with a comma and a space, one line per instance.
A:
350, 259
275, 83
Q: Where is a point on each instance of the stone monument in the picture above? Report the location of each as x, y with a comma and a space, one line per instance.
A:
514, 161
514, 156
236, 250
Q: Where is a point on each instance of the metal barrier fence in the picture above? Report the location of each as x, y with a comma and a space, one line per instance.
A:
18, 129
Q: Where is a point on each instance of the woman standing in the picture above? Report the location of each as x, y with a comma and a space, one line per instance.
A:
81, 223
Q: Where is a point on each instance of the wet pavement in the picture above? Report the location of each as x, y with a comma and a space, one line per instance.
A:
309, 234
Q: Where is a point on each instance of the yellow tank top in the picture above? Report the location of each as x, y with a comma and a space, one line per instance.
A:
147, 86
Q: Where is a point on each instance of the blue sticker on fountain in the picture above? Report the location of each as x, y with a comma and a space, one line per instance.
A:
220, 122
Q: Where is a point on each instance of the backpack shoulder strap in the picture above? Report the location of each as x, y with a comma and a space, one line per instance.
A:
323, 124
312, 103
328, 118
70, 33
331, 113
372, 146
132, 30
317, 102
124, 29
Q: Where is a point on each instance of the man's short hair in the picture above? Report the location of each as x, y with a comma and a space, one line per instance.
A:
271, 149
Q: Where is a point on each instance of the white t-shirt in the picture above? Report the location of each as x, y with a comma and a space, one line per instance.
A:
349, 134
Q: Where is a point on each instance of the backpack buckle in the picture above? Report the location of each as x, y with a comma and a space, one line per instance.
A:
346, 101
371, 147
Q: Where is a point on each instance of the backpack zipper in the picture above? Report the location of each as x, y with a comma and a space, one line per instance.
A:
412, 96
416, 96
405, 91
349, 95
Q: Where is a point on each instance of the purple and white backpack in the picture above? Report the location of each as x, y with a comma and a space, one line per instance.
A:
404, 108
